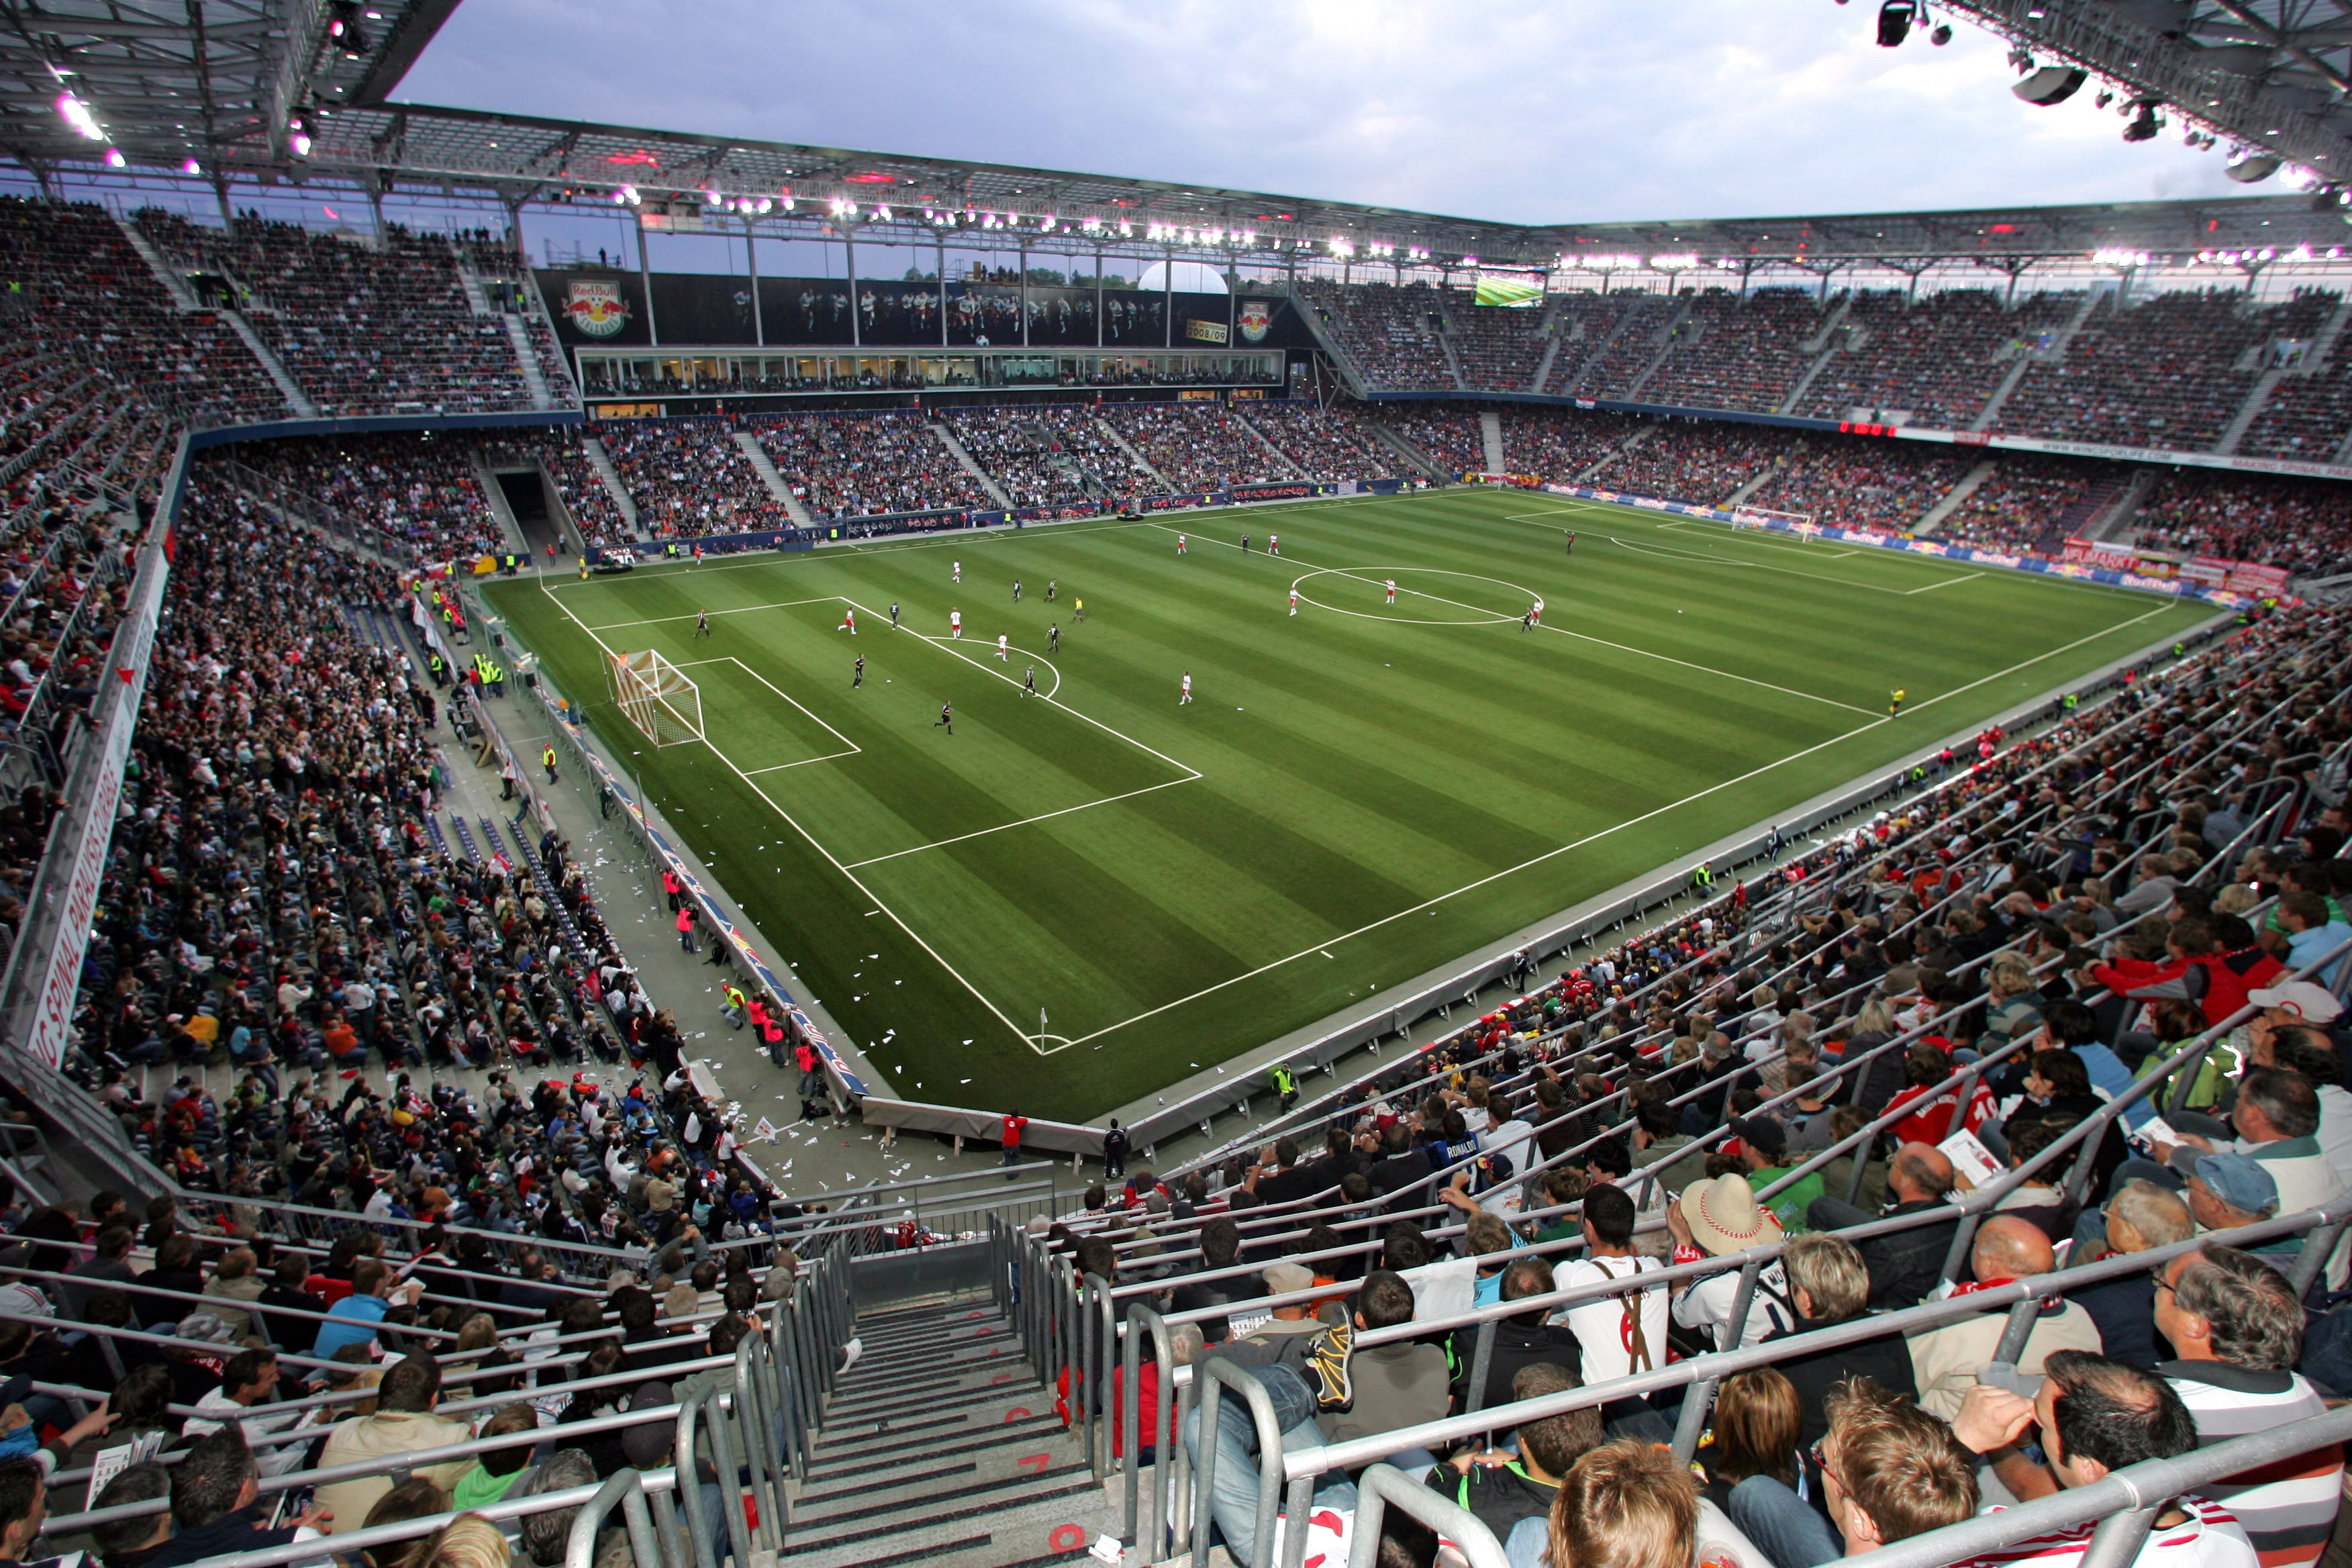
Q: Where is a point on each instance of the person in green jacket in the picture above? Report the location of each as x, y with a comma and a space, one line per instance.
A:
499, 1469
1764, 1144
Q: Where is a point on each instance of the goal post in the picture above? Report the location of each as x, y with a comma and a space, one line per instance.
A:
657, 697
1765, 517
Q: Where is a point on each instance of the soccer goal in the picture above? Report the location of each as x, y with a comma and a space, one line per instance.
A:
1765, 517
658, 697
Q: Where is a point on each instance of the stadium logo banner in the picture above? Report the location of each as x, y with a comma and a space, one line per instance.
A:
596, 307
1256, 316
1276, 492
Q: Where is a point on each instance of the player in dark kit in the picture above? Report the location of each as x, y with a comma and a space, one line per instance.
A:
947, 716
894, 617
1054, 637
1016, 590
1029, 682
1571, 541
702, 624
857, 673
1244, 543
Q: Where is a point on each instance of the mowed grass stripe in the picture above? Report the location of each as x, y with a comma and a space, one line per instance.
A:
1373, 766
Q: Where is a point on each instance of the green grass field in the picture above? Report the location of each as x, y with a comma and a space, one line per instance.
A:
1357, 794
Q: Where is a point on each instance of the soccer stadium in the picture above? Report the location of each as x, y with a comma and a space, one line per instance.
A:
750, 852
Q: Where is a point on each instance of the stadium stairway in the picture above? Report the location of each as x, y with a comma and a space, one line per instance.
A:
940, 1447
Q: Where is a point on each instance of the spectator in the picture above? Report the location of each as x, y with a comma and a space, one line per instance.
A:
403, 1422
1513, 1496
215, 1507
2096, 1416
1906, 1264
1828, 1284
2236, 1332
1943, 1361
2140, 1216
1624, 1505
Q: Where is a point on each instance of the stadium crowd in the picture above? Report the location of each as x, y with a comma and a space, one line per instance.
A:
688, 476
361, 328
1324, 443
1197, 445
2300, 524
417, 493
1735, 352
867, 465
1045, 453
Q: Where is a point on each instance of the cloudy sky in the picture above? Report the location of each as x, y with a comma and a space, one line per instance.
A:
1514, 110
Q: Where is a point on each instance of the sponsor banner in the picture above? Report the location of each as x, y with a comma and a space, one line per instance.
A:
1058, 513
1202, 331
50, 1023
1293, 491
2084, 568
1179, 503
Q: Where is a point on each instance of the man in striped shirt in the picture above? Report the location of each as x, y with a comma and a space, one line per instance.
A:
2096, 1416
2236, 1332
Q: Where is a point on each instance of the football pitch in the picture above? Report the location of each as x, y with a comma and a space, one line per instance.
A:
1358, 793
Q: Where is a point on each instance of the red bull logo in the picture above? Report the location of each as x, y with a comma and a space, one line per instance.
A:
597, 308
1255, 317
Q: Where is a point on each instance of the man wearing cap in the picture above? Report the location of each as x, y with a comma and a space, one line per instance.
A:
2277, 1119
2226, 1191
1763, 1144
1945, 1361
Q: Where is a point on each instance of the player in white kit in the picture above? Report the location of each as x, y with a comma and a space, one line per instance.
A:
1536, 616
1003, 642
1274, 545
1294, 601
848, 621
1180, 544
957, 576
955, 623
1188, 689
1390, 585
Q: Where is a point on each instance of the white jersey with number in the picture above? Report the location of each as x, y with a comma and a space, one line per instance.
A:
1188, 683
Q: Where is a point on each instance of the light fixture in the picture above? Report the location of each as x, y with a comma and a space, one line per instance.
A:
1940, 34
2250, 165
2144, 124
1894, 19
191, 167
2051, 84
78, 115
2298, 177
115, 158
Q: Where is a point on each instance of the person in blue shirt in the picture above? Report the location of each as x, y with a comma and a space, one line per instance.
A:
2312, 933
352, 1321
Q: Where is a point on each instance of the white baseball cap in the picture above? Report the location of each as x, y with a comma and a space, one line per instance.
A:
2312, 1004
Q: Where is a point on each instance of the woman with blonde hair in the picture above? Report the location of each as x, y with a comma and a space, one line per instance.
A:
1624, 1505
468, 1540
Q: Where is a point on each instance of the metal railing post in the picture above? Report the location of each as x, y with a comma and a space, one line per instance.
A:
1220, 1376
1383, 1484
628, 1489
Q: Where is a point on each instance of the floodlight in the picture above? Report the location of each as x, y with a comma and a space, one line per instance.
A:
78, 115
115, 158
1894, 19
2144, 124
2298, 177
191, 167
2051, 84
1941, 35
2250, 167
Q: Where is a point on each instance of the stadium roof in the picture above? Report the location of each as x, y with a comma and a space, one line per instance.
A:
237, 85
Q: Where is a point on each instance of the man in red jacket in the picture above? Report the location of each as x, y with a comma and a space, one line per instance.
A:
2196, 967
1014, 1124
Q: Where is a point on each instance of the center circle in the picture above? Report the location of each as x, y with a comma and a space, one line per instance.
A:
1374, 577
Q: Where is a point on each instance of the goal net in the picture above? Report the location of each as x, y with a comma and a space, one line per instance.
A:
658, 697
1765, 516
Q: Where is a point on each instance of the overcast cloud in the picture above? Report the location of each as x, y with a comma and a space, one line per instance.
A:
1574, 110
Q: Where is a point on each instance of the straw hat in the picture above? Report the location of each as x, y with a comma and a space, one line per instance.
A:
1724, 1216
